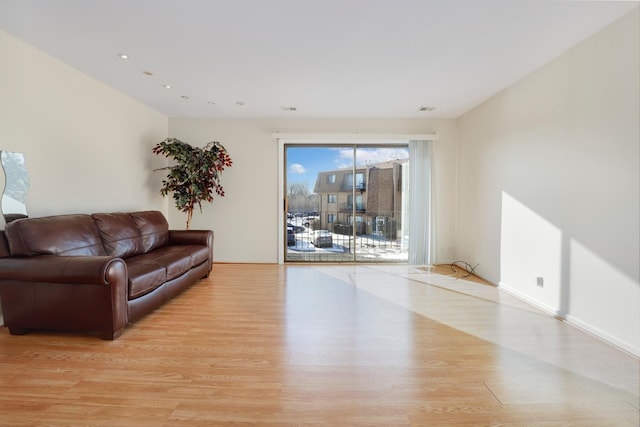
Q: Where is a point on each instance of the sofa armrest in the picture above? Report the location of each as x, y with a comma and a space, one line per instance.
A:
191, 237
92, 270
64, 293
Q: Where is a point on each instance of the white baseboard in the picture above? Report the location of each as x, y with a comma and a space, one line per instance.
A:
602, 335
527, 298
572, 320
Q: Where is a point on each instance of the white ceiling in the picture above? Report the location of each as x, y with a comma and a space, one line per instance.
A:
327, 58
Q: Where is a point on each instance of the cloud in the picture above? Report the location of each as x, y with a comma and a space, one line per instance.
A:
297, 169
368, 156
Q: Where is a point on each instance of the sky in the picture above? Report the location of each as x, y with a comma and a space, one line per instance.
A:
304, 162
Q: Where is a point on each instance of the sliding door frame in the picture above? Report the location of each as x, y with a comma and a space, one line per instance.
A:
327, 139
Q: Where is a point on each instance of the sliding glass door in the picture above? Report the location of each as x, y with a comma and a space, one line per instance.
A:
346, 203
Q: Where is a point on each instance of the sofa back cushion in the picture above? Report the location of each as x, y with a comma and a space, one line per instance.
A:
119, 233
54, 235
153, 228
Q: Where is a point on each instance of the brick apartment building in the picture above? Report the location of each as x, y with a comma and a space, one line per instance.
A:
370, 197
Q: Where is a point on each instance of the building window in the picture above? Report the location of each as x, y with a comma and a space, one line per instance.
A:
331, 218
359, 219
331, 179
331, 198
348, 181
359, 202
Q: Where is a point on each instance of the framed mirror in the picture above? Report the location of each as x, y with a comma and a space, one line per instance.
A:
16, 186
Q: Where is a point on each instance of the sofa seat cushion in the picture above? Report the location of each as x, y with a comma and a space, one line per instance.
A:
66, 235
119, 233
176, 259
198, 253
144, 275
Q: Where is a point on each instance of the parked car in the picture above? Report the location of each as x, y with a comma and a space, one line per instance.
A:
291, 237
307, 221
296, 228
322, 239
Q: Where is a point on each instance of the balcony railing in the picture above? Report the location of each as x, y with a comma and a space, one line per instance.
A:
376, 237
360, 187
348, 207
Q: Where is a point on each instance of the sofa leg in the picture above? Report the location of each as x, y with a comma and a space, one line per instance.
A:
18, 331
111, 335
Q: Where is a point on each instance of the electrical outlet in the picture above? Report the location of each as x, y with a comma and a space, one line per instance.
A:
540, 282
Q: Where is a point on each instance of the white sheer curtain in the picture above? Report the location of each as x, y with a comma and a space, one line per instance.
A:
421, 218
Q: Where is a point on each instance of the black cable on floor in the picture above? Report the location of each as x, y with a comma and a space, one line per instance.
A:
468, 268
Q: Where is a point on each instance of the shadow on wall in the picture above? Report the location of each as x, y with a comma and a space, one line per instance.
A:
551, 269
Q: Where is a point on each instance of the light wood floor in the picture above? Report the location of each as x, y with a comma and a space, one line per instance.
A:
330, 345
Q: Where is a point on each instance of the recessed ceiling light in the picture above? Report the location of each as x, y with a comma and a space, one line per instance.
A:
426, 108
286, 108
166, 86
123, 56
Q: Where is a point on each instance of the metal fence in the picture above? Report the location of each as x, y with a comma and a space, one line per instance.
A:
372, 237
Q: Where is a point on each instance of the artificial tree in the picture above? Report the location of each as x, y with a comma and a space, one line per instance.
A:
194, 176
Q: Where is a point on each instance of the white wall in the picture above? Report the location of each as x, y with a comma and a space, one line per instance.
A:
549, 185
245, 221
87, 147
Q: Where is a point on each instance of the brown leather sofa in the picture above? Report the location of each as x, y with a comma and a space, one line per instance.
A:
95, 273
